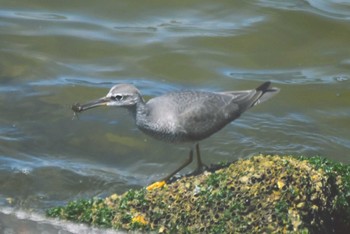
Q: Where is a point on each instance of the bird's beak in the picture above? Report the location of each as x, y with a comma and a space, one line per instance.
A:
92, 104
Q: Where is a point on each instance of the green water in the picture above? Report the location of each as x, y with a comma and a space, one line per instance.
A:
56, 53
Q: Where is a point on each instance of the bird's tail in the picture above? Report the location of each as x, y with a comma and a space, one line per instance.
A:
264, 92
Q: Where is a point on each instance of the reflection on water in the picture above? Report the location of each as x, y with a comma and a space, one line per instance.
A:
328, 8
19, 221
53, 55
297, 76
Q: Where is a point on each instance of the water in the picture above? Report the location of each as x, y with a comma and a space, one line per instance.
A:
53, 54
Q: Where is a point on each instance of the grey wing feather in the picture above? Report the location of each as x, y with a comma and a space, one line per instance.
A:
208, 115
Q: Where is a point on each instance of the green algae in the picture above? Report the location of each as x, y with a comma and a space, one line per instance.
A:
261, 194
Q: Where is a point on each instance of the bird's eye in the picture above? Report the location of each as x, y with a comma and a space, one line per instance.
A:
117, 97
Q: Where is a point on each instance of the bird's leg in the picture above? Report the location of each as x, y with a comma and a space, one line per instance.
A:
161, 183
200, 165
188, 161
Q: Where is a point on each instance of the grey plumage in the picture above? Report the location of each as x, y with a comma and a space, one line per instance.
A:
183, 116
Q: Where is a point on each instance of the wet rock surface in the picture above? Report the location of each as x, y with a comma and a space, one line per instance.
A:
260, 194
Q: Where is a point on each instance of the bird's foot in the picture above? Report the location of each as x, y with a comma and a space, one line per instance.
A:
156, 185
199, 170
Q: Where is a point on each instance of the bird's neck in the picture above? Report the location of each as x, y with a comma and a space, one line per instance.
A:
141, 115
141, 112
139, 109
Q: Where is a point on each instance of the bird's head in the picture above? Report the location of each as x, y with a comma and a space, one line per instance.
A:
121, 95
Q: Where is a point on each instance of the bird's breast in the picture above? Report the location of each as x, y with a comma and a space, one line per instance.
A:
162, 126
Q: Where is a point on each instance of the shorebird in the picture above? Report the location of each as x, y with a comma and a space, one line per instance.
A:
182, 116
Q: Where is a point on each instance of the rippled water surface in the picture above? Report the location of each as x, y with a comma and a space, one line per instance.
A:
56, 53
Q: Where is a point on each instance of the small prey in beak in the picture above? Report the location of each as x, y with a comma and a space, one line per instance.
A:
77, 107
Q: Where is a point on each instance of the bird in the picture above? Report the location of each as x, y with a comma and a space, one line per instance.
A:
182, 116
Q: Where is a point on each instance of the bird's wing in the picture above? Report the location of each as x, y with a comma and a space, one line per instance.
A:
207, 114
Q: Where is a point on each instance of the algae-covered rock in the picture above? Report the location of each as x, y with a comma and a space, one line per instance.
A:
261, 194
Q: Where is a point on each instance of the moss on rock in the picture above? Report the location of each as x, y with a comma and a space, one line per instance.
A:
261, 194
